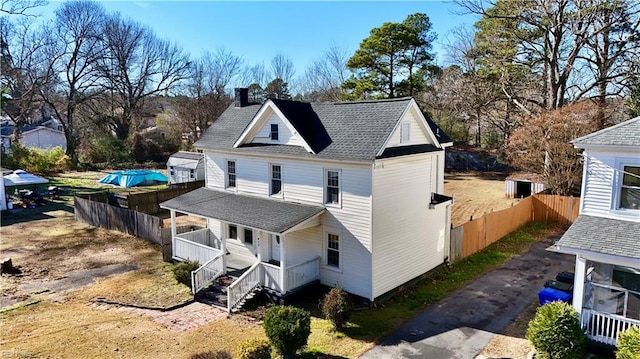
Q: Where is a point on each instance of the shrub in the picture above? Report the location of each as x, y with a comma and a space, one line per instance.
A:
288, 329
182, 271
220, 354
555, 332
37, 160
629, 344
336, 306
254, 349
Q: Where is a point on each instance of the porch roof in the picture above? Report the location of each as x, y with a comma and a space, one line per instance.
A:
259, 213
601, 235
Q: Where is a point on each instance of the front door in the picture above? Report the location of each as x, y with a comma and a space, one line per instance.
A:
275, 247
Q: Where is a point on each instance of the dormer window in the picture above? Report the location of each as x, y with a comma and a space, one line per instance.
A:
274, 131
630, 188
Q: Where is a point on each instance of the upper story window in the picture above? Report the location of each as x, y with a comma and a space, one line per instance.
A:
274, 131
332, 190
276, 179
630, 188
248, 236
231, 174
405, 132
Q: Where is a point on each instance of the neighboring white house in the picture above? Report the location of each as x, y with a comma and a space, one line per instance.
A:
521, 185
606, 236
344, 193
34, 136
185, 166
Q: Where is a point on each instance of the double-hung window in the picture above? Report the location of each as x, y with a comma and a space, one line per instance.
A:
274, 131
248, 236
276, 179
231, 174
332, 190
630, 188
233, 231
333, 250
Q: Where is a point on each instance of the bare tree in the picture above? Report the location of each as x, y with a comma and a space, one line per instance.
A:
206, 95
20, 7
282, 68
324, 77
136, 65
24, 71
74, 51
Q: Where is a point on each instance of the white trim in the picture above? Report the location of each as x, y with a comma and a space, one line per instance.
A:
422, 121
325, 248
275, 156
226, 174
618, 178
260, 119
270, 179
326, 184
405, 132
601, 257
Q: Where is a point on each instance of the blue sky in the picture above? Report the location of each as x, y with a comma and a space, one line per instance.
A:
256, 31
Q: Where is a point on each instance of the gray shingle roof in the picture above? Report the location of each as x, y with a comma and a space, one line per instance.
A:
259, 213
603, 235
188, 155
349, 130
623, 134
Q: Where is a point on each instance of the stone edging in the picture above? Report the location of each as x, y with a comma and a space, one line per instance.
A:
161, 309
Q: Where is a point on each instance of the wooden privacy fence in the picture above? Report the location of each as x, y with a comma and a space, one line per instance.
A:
127, 221
479, 233
149, 202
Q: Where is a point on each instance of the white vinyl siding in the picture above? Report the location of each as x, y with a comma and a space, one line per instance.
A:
417, 131
285, 136
409, 239
603, 180
303, 182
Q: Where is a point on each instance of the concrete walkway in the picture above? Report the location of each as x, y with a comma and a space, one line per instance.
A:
461, 325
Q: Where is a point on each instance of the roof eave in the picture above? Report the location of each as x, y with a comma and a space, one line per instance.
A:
599, 256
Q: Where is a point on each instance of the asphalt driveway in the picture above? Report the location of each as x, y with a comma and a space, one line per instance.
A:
461, 325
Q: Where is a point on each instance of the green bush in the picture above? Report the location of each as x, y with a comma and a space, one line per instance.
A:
555, 332
220, 354
337, 306
629, 344
254, 349
36, 160
182, 271
288, 329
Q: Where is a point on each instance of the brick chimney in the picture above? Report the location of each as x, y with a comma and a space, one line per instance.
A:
242, 97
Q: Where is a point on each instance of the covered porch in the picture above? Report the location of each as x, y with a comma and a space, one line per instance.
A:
607, 275
246, 242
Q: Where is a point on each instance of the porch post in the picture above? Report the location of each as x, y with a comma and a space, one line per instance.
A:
578, 283
173, 231
283, 265
223, 248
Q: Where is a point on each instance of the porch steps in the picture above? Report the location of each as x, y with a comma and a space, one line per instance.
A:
216, 293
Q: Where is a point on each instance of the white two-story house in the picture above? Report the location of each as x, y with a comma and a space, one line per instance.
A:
606, 236
344, 193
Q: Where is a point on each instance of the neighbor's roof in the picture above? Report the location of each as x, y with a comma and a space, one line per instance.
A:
188, 155
260, 213
340, 130
602, 235
623, 134
185, 159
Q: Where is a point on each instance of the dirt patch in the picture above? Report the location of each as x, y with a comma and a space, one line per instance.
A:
475, 194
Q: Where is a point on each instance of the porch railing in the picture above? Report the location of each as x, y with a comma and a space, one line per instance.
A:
201, 236
187, 250
604, 327
208, 272
243, 286
271, 276
303, 273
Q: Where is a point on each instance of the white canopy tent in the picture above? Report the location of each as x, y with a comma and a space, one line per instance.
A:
17, 178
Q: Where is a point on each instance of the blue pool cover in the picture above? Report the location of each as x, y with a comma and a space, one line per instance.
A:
131, 178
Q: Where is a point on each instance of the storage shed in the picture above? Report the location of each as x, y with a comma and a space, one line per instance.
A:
521, 185
185, 166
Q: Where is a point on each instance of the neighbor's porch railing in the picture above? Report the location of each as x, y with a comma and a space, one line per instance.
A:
303, 273
208, 272
184, 249
604, 327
